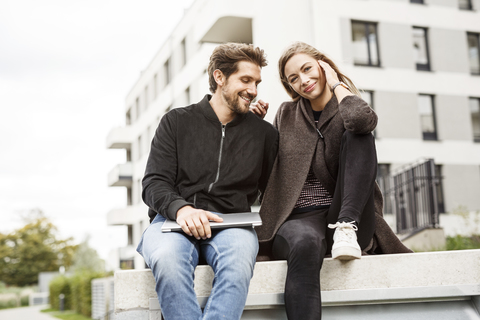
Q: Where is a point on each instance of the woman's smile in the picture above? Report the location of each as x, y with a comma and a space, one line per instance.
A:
310, 87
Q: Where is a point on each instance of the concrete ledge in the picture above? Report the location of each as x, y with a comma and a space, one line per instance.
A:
399, 278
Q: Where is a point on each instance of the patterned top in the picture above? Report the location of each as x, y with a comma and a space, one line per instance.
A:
313, 193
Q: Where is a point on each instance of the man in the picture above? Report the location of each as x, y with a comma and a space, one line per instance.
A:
213, 156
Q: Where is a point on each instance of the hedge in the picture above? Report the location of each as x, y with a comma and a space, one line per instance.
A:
77, 290
59, 285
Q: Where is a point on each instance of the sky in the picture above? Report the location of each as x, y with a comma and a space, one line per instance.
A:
66, 67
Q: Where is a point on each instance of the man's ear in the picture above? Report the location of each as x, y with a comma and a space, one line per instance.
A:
219, 77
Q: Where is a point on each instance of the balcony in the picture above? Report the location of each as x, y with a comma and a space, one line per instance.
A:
121, 175
125, 216
230, 29
120, 138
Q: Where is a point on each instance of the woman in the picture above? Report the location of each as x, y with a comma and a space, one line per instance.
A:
322, 196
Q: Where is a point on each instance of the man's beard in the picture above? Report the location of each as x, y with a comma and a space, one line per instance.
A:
233, 101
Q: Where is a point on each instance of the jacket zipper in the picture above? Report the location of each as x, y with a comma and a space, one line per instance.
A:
219, 159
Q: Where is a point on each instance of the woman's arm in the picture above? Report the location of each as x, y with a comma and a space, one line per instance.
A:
357, 115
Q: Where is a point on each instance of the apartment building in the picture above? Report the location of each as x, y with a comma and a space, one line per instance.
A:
417, 62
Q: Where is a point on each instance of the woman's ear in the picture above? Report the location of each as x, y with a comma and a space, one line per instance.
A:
219, 77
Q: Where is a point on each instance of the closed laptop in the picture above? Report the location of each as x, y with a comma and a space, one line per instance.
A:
230, 220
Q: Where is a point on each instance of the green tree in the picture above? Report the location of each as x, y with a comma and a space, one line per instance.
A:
32, 249
87, 259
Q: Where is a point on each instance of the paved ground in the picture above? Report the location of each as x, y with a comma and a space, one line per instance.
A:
25, 313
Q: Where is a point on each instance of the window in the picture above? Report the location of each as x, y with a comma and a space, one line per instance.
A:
155, 86
183, 48
474, 52
129, 196
187, 96
475, 112
146, 97
166, 71
147, 140
128, 117
130, 235
465, 4
417, 1
139, 147
420, 48
426, 109
365, 46
137, 108
367, 95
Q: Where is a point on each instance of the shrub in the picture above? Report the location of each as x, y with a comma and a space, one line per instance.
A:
59, 285
24, 301
77, 290
459, 242
4, 304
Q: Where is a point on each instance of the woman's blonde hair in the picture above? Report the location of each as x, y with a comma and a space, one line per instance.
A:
302, 47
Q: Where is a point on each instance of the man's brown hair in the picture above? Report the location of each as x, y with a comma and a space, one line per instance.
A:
226, 57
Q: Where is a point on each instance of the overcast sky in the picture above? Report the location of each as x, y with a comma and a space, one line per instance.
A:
66, 67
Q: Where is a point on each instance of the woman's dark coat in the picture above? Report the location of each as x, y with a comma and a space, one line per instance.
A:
301, 146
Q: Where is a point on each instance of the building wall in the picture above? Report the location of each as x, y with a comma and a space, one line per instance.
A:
325, 24
461, 185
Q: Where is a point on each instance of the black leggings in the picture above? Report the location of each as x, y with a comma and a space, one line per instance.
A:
304, 239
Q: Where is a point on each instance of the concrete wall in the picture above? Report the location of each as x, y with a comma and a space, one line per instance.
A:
453, 118
448, 50
457, 191
397, 115
396, 47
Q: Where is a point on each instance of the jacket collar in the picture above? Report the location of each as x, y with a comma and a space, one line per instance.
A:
328, 112
207, 110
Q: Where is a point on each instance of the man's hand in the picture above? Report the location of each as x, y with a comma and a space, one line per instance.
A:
260, 108
195, 222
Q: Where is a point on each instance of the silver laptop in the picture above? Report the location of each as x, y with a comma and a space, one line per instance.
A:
244, 219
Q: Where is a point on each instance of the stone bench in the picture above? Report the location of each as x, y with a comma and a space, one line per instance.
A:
432, 285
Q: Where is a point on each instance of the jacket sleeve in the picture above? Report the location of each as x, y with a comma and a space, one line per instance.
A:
159, 192
270, 155
357, 115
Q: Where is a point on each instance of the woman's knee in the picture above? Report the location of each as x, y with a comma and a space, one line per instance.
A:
308, 248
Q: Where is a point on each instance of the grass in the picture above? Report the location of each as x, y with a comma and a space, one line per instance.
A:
65, 315
463, 243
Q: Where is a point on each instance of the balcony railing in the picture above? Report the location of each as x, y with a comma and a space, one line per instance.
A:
414, 196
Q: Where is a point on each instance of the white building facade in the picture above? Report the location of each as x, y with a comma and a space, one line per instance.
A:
418, 63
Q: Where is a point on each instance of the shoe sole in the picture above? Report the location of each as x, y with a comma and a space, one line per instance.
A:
346, 253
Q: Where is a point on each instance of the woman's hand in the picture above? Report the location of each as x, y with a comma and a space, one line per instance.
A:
330, 74
260, 108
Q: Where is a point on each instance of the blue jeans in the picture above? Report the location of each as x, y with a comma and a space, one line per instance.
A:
173, 257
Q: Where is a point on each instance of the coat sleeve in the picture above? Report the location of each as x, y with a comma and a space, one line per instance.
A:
278, 116
270, 154
357, 115
159, 192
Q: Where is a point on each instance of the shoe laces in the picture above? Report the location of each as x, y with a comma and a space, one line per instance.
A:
345, 230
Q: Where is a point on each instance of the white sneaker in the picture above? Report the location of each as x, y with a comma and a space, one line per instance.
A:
345, 245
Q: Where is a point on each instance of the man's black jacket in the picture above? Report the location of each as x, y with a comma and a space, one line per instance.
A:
195, 160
